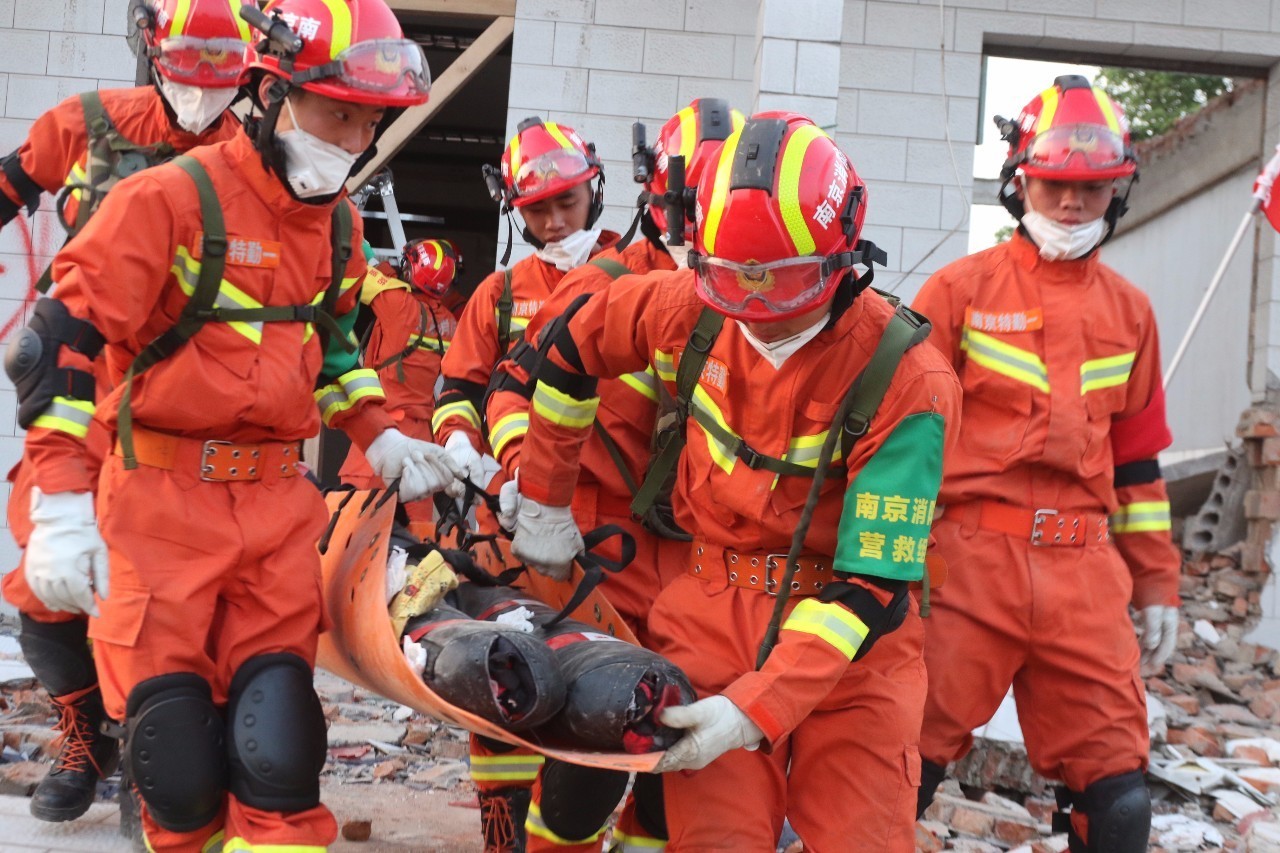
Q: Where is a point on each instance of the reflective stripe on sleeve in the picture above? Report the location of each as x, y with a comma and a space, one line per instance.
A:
1142, 517
507, 428
348, 390
457, 409
67, 414
829, 622
563, 410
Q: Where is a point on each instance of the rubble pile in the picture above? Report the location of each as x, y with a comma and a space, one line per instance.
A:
1215, 753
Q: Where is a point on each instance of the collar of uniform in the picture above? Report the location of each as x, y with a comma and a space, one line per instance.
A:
1027, 255
246, 162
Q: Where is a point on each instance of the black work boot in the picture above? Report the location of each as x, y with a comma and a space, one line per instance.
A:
502, 816
58, 654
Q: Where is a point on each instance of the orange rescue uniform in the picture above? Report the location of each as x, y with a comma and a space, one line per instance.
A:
411, 333
56, 149
1063, 413
53, 155
208, 574
602, 496
829, 724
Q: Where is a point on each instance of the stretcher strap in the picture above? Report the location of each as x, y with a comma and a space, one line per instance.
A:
594, 566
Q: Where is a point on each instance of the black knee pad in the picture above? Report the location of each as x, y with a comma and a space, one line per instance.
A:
276, 734
931, 776
651, 810
1119, 812
175, 748
576, 801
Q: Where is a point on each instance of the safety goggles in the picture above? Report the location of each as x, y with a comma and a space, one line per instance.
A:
778, 287
202, 61
379, 65
1076, 145
553, 170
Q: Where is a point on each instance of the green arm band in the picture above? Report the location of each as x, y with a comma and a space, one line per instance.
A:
884, 528
338, 361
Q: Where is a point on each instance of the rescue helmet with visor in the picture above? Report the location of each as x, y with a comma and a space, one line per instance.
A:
778, 221
431, 265
202, 43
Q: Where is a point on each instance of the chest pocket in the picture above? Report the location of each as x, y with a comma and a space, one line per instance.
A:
1104, 377
1001, 376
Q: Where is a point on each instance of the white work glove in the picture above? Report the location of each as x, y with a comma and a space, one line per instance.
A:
468, 461
422, 467
715, 726
1159, 633
66, 557
509, 500
546, 538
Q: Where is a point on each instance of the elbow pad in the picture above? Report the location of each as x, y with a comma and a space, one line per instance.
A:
31, 361
28, 190
880, 619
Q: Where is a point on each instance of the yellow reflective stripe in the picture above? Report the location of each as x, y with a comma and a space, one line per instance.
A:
341, 14
180, 13
1048, 107
243, 845
664, 364
347, 284
624, 843
688, 134
1005, 359
429, 343
241, 23
331, 400
719, 453
559, 408
77, 176
67, 414
828, 622
720, 191
439, 261
643, 382
360, 383
459, 409
789, 187
214, 844
805, 450
558, 135
520, 323
187, 271
497, 768
1142, 517
1108, 112
1106, 372
507, 428
534, 825
514, 151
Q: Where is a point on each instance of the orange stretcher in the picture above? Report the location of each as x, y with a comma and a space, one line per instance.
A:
361, 646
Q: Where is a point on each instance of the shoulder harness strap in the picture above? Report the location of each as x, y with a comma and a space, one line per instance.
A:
504, 306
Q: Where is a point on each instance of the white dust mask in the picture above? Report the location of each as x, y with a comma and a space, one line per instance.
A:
570, 252
196, 107
1060, 242
313, 167
777, 352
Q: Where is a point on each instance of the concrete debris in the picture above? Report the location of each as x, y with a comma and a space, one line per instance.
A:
1179, 832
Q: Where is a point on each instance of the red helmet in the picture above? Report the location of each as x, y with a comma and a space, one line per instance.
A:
430, 265
544, 159
1072, 131
778, 218
352, 50
695, 133
196, 42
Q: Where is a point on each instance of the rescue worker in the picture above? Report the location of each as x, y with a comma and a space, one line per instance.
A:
83, 145
205, 640
410, 334
837, 704
1064, 415
571, 803
546, 173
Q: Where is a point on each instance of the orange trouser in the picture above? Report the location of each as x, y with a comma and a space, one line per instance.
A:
1052, 622
205, 576
846, 777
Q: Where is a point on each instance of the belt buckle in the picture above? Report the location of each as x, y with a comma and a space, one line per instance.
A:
1037, 533
773, 562
208, 449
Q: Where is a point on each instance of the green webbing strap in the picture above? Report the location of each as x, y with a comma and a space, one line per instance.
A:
505, 305
612, 267
858, 406
340, 243
672, 441
410, 348
195, 313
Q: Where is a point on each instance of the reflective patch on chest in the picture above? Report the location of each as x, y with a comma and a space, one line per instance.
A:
997, 320
245, 252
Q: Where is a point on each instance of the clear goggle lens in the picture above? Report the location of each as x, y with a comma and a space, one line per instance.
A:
187, 57
780, 286
384, 65
551, 168
1074, 145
